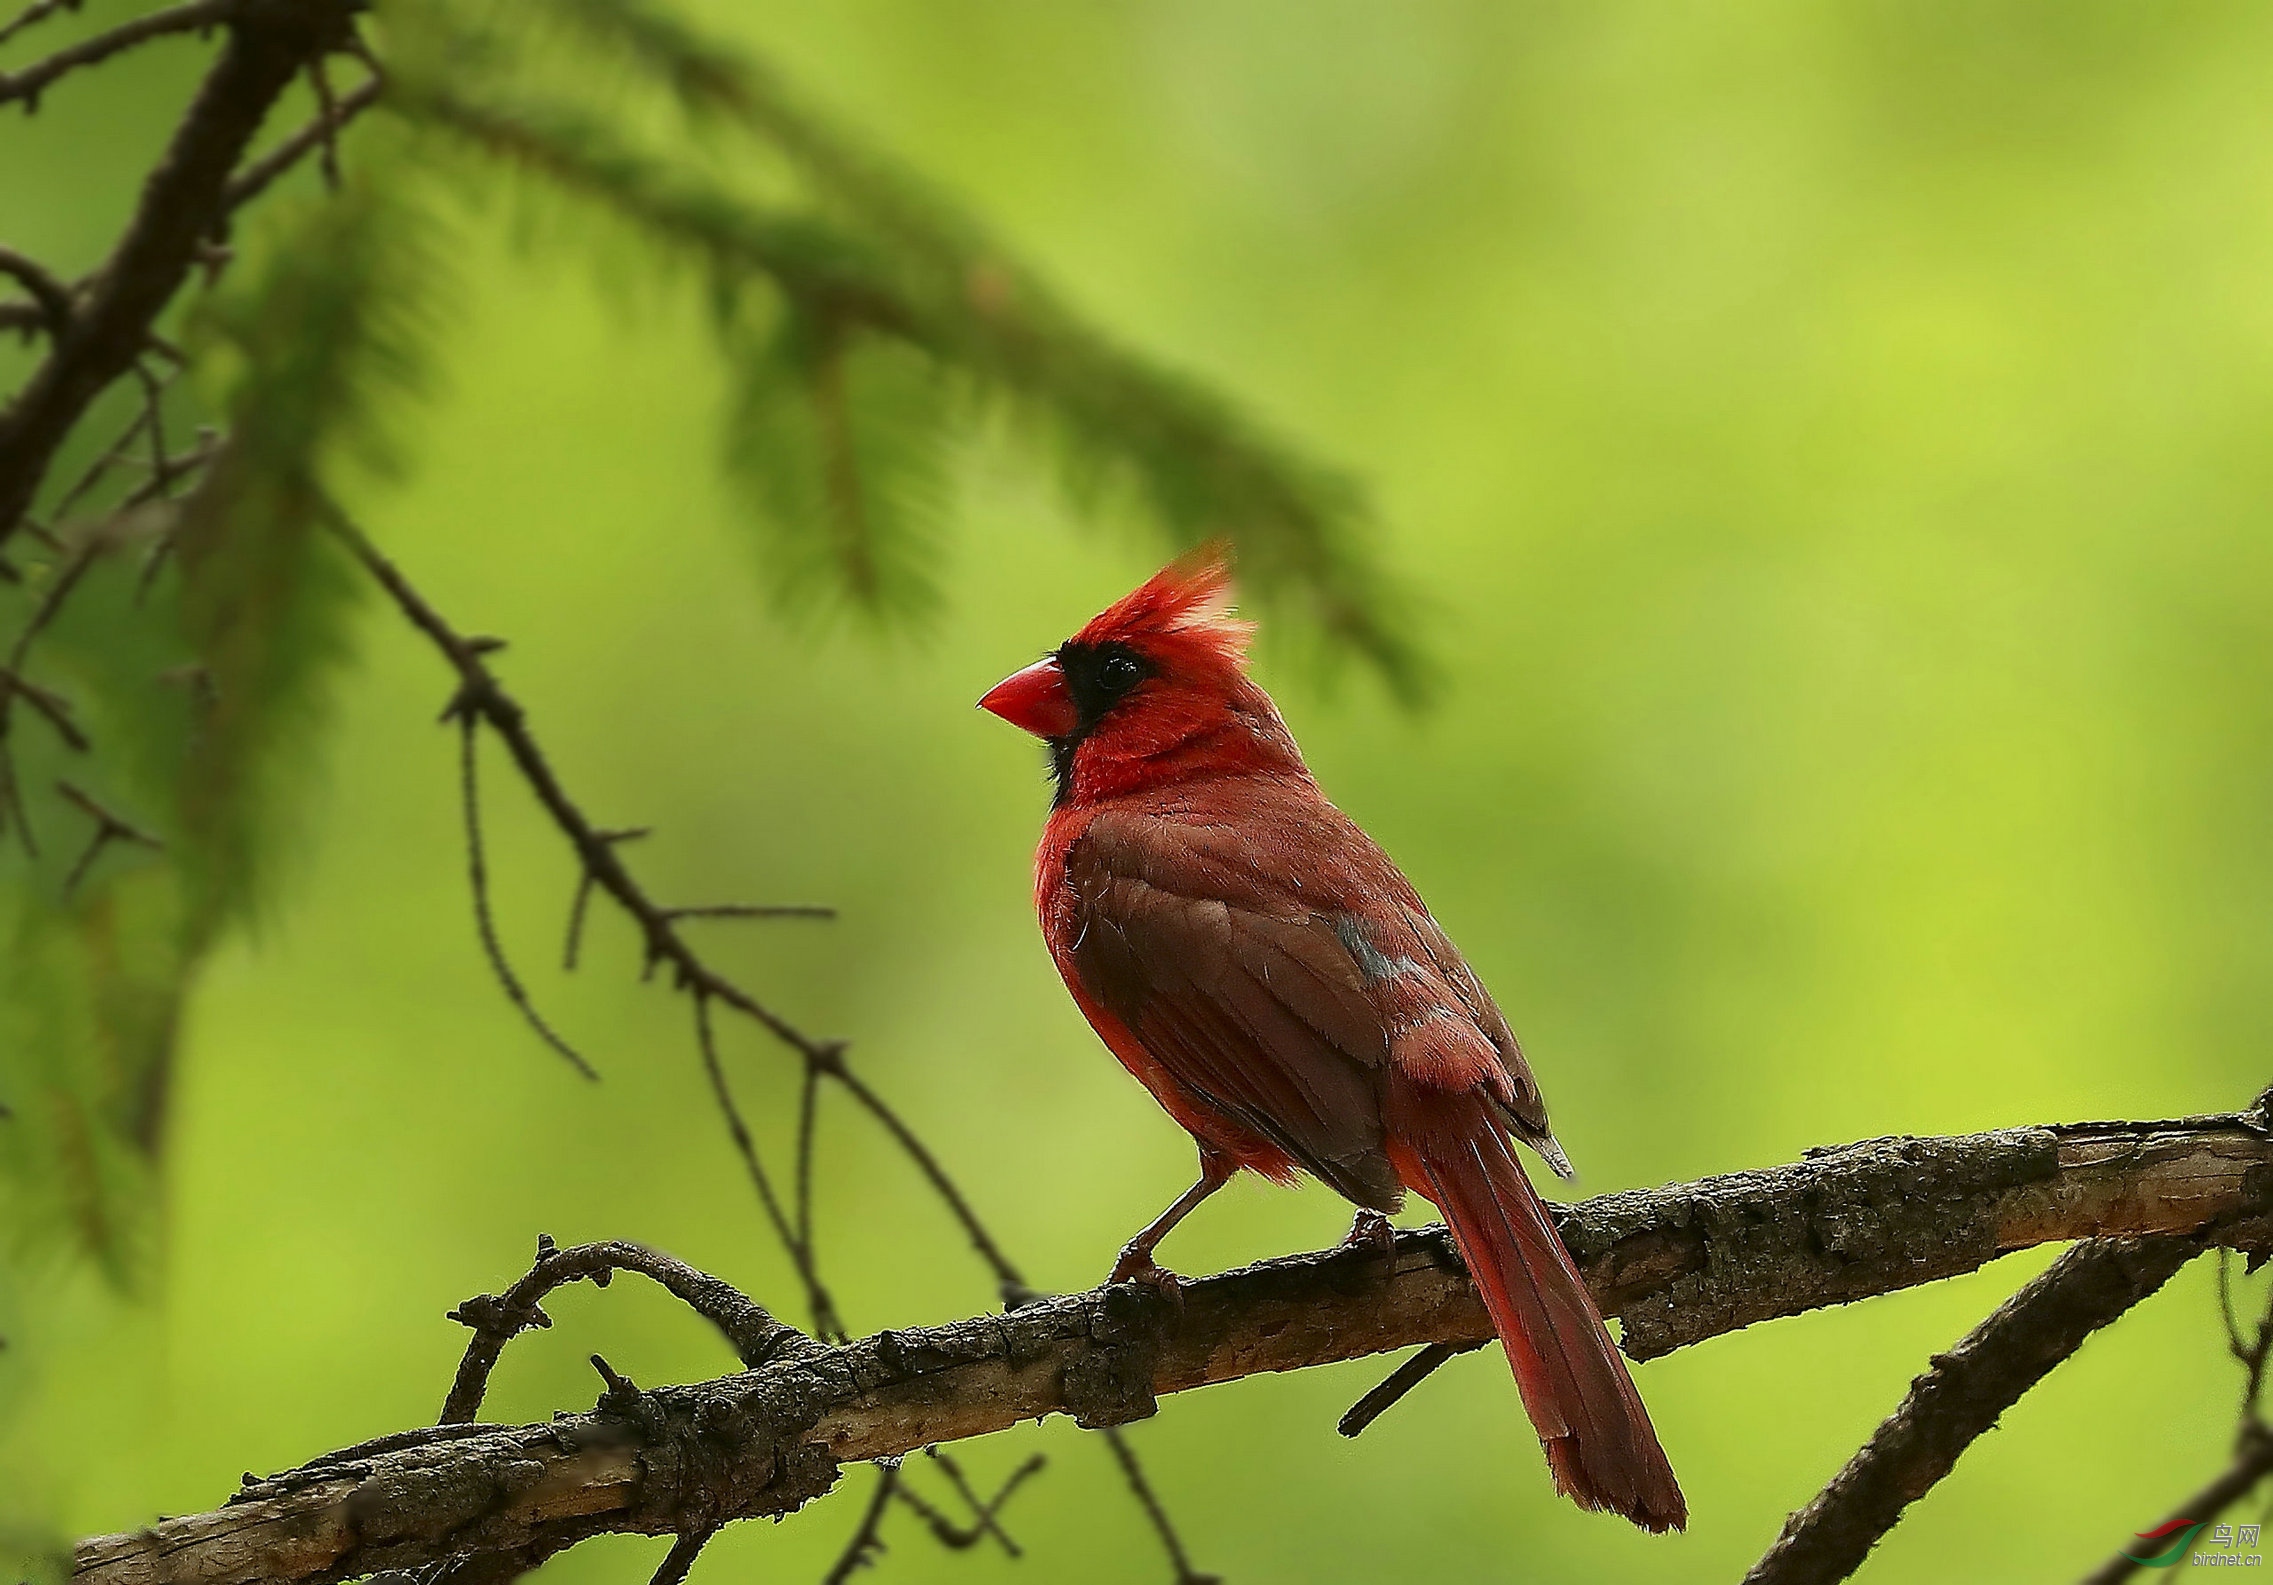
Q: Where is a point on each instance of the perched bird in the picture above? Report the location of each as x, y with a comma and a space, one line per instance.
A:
1277, 984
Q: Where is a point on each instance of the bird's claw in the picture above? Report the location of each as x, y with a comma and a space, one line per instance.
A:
1369, 1229
1134, 1266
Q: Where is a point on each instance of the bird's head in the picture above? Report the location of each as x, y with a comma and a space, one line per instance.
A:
1153, 689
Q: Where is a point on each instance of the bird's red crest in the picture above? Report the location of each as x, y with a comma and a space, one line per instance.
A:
1183, 609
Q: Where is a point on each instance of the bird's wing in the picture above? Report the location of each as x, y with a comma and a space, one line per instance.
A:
1237, 986
1521, 1105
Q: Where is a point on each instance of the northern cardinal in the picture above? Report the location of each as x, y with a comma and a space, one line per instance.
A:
1277, 984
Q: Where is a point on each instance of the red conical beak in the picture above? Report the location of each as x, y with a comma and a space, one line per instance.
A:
1035, 700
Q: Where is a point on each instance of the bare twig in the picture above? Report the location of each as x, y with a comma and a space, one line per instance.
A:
2253, 1441
985, 1513
681, 1557
867, 1538
2252, 1462
53, 707
50, 296
1960, 1397
752, 911
825, 1321
109, 828
198, 16
662, 941
477, 870
1424, 1363
267, 46
583, 900
496, 1319
34, 14
1162, 1525
320, 133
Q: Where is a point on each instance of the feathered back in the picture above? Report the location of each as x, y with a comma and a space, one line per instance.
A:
1181, 613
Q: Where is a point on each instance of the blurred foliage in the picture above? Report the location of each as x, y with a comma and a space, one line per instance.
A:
861, 319
864, 324
1834, 438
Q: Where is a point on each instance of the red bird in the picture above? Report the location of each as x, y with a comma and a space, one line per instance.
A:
1277, 984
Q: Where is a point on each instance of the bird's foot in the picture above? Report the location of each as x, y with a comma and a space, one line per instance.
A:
1369, 1229
1137, 1265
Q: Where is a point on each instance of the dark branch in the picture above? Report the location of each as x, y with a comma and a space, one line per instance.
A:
1960, 1397
477, 871
320, 133
867, 1540
1677, 1265
496, 1319
1424, 1364
1162, 1525
2253, 1461
50, 296
109, 828
752, 911
34, 14
199, 16
662, 942
269, 42
825, 1320
681, 1557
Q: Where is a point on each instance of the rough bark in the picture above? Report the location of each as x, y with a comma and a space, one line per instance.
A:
1679, 1265
1961, 1396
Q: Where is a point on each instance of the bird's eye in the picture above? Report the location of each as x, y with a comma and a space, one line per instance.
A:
1119, 673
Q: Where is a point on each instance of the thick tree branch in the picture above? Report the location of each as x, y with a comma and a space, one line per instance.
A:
269, 42
1961, 1396
1678, 1265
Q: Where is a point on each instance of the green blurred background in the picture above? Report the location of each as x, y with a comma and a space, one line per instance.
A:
1835, 442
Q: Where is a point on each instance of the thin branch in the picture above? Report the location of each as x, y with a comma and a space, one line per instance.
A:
1676, 1265
985, 1513
268, 44
577, 908
496, 1319
1162, 1525
825, 1321
752, 911
35, 13
867, 1539
53, 707
673, 1569
1960, 1397
1014, 1289
2253, 1441
2253, 1461
1423, 1364
808, 1117
199, 16
109, 828
477, 871
480, 691
50, 296
320, 133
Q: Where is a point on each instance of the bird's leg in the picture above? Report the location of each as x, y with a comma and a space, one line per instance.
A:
1136, 1263
1369, 1229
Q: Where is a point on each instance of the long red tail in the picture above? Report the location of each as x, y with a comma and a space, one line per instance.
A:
1599, 1442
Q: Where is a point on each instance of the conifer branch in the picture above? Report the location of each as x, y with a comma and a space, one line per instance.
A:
269, 43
